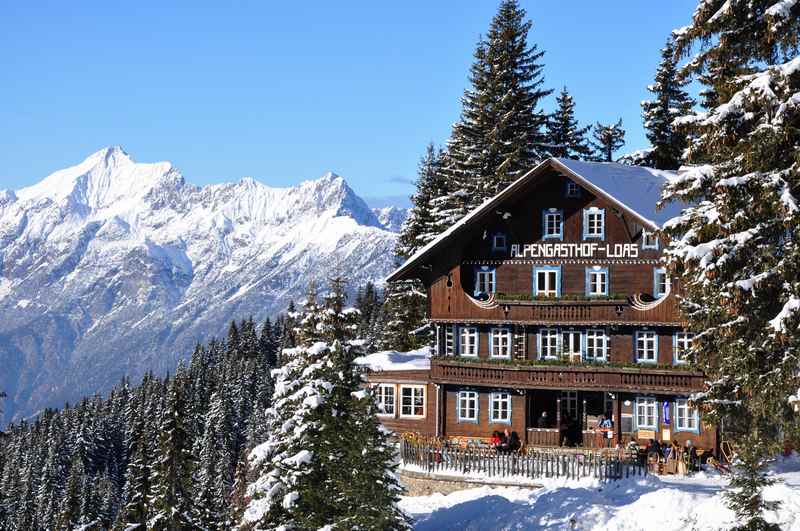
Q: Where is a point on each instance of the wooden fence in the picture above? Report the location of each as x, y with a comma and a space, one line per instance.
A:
530, 463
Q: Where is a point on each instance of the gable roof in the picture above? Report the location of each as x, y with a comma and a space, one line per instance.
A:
633, 189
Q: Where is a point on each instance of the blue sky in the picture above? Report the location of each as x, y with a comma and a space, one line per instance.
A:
284, 91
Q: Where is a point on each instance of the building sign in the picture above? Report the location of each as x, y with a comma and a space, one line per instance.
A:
575, 250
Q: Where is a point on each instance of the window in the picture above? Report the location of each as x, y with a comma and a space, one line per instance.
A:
412, 400
685, 416
500, 407
548, 343
467, 406
572, 189
649, 240
646, 346
594, 223
500, 343
646, 416
681, 345
484, 280
596, 281
571, 344
499, 242
384, 398
569, 404
468, 341
553, 224
660, 282
547, 281
596, 345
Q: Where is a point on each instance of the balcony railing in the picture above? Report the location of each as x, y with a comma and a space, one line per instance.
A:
451, 370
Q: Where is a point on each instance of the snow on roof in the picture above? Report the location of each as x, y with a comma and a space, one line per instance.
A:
390, 360
636, 189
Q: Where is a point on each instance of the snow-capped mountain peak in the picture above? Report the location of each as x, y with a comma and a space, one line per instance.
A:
101, 180
114, 267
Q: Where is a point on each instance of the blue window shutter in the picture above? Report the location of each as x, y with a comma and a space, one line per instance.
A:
588, 284
558, 272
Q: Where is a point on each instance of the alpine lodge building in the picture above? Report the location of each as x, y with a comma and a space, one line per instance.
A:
552, 311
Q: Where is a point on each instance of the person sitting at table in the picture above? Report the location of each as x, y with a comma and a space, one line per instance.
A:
543, 421
606, 422
494, 440
505, 441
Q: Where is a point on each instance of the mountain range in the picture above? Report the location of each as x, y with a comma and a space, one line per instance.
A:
113, 267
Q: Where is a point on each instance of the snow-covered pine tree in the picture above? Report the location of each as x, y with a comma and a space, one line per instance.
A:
305, 470
670, 100
565, 137
422, 224
736, 247
172, 501
500, 134
69, 512
214, 477
607, 140
404, 314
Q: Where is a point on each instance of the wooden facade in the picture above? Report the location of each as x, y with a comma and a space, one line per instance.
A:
552, 298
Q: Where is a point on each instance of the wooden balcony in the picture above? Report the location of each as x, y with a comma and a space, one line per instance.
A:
595, 378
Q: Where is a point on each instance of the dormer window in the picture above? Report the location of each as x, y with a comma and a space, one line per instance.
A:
594, 223
484, 281
572, 189
660, 282
649, 240
553, 224
499, 242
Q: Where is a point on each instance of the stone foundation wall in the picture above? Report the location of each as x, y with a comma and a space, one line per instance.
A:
423, 484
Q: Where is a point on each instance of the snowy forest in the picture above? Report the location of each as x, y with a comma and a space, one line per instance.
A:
238, 438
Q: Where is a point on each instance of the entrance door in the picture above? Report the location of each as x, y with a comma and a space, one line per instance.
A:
571, 346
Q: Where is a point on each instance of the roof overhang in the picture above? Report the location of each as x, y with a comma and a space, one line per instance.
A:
489, 205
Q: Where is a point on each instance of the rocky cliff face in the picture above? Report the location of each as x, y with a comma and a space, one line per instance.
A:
112, 268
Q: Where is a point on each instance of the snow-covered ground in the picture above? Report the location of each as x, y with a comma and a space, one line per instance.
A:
651, 503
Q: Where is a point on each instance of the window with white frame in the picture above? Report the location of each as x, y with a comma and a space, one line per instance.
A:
660, 282
468, 406
500, 407
546, 281
646, 346
646, 413
649, 240
499, 242
553, 221
412, 400
683, 343
468, 341
500, 339
594, 223
573, 190
569, 404
571, 343
548, 343
385, 399
484, 280
596, 345
596, 282
685, 416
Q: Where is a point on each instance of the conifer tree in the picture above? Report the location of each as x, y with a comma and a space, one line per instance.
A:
565, 137
215, 469
607, 140
404, 309
736, 246
304, 471
422, 224
500, 134
172, 496
670, 100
